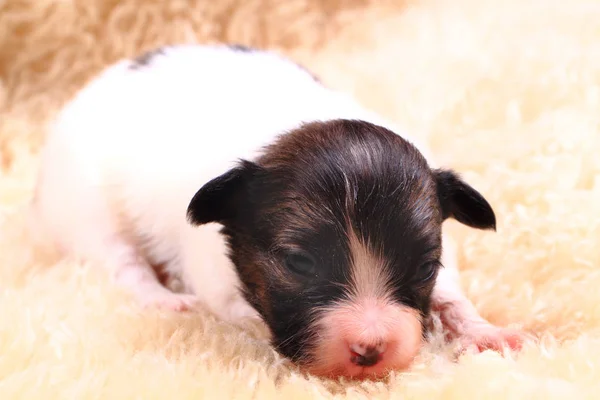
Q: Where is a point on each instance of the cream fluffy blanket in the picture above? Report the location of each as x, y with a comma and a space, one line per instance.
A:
506, 91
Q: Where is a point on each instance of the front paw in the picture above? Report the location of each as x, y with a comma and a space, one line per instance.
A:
486, 336
170, 301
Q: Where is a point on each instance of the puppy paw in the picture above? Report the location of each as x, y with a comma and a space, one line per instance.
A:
485, 336
167, 300
240, 310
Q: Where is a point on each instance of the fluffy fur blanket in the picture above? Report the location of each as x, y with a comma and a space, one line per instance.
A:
506, 91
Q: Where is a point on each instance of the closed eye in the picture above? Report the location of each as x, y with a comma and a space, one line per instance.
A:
301, 263
426, 272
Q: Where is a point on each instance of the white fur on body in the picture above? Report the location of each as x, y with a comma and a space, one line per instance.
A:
127, 154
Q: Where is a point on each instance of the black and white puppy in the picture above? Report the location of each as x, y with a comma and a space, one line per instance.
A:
269, 196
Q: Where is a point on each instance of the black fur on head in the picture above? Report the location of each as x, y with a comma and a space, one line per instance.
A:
288, 217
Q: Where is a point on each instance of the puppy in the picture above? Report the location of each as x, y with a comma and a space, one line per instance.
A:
267, 195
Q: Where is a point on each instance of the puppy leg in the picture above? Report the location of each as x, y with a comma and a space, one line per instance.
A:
133, 272
458, 314
78, 221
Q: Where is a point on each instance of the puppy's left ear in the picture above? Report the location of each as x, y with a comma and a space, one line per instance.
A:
224, 198
463, 203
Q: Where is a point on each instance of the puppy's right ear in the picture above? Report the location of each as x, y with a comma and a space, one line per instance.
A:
221, 199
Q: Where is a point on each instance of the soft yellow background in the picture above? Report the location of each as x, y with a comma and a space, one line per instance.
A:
508, 93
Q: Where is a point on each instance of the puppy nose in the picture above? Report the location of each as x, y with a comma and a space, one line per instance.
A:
366, 356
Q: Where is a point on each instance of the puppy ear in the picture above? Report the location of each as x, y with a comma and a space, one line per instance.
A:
463, 203
221, 199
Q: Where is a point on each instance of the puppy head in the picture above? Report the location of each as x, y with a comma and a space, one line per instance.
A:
335, 232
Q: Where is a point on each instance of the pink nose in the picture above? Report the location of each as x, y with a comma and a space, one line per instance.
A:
366, 356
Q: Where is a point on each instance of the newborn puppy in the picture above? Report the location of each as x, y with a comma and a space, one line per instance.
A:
268, 196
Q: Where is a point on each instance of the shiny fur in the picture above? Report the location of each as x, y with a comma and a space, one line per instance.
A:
268, 196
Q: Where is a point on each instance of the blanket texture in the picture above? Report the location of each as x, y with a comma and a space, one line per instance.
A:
507, 92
